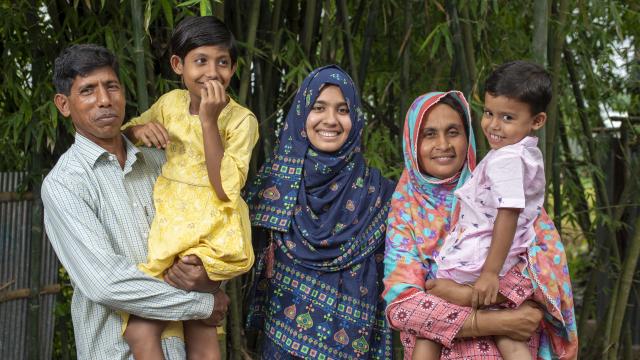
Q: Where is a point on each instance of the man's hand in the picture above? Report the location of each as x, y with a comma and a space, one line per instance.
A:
485, 290
220, 306
189, 274
151, 134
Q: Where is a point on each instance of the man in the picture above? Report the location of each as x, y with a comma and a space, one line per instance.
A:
97, 210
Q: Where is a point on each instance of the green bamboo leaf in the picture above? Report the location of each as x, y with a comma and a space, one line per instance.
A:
617, 20
147, 17
430, 37
436, 44
205, 8
189, 3
167, 9
108, 38
448, 42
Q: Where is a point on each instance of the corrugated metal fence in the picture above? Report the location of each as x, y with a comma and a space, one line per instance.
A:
26, 322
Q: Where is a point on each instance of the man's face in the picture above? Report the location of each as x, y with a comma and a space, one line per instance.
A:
96, 105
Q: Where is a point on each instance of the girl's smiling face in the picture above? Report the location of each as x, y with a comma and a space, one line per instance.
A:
328, 123
442, 142
203, 64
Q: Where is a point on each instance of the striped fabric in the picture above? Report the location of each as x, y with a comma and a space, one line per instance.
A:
97, 217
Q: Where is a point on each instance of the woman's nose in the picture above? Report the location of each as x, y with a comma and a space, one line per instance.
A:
442, 142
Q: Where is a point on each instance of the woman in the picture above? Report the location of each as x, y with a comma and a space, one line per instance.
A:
319, 283
417, 225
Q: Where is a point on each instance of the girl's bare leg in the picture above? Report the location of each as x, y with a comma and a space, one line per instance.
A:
143, 337
512, 349
201, 341
426, 350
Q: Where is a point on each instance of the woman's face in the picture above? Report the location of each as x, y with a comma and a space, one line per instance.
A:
328, 123
442, 142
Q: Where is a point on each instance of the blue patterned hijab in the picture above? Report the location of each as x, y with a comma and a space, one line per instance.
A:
327, 208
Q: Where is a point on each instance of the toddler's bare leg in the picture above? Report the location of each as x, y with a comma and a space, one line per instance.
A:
201, 341
512, 349
426, 350
143, 337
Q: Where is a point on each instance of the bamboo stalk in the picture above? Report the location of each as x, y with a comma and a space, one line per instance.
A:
325, 40
405, 67
625, 281
27, 293
468, 46
14, 196
138, 55
369, 35
539, 49
310, 15
458, 45
601, 190
555, 66
234, 319
343, 12
254, 16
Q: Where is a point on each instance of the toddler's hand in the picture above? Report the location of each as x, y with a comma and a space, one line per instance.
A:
213, 99
151, 134
485, 290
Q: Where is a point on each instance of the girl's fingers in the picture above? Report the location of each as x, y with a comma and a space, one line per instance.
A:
220, 95
211, 92
160, 134
145, 140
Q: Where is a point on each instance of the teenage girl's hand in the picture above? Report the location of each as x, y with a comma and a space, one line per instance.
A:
151, 134
485, 290
213, 99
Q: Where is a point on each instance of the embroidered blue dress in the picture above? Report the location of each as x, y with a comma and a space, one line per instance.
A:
317, 294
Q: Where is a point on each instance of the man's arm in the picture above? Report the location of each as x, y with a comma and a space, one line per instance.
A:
84, 249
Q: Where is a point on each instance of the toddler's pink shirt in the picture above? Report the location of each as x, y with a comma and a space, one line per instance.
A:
509, 177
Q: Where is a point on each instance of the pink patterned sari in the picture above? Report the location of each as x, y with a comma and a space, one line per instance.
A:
420, 217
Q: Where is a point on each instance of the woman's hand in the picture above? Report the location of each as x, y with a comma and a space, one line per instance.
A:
150, 134
453, 292
213, 99
449, 291
524, 321
518, 324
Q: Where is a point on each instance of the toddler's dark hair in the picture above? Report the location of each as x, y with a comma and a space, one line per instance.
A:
457, 106
195, 31
80, 60
523, 81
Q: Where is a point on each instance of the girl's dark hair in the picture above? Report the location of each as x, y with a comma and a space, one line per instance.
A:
523, 81
195, 31
80, 60
457, 106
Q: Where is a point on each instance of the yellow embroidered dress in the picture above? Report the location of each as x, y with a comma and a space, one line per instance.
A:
190, 219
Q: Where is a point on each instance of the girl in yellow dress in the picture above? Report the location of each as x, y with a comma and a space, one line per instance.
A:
208, 139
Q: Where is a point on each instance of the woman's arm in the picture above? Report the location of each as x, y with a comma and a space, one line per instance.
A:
443, 312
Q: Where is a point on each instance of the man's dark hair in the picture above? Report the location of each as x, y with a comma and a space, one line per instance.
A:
523, 81
80, 60
457, 106
195, 31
